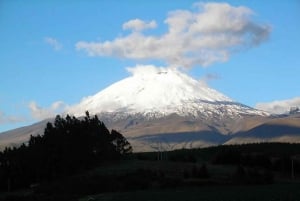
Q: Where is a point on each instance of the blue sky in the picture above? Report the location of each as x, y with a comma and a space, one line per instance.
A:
46, 48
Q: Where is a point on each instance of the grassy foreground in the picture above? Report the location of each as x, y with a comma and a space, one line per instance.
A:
259, 172
273, 192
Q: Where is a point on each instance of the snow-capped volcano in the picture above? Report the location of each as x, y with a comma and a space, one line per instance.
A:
165, 109
157, 92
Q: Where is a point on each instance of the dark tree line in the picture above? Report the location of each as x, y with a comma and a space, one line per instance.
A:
67, 146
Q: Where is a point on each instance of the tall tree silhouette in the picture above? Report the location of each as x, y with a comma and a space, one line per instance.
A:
67, 146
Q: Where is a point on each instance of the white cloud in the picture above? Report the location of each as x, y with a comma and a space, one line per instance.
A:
40, 113
4, 118
53, 43
209, 34
139, 25
279, 107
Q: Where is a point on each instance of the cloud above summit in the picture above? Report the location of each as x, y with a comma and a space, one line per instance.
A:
206, 34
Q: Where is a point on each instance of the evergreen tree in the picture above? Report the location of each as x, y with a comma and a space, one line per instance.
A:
67, 146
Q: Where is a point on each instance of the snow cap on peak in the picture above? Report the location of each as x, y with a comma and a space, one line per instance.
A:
159, 91
151, 89
148, 70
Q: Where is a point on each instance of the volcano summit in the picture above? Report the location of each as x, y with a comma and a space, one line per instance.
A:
158, 92
164, 104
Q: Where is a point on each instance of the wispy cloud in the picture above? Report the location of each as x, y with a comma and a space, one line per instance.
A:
40, 113
8, 119
37, 112
211, 76
54, 43
208, 34
279, 106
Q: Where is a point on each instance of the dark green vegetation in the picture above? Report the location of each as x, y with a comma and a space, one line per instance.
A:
97, 167
67, 147
272, 192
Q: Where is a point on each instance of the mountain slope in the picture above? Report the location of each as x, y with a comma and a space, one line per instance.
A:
20, 135
272, 129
